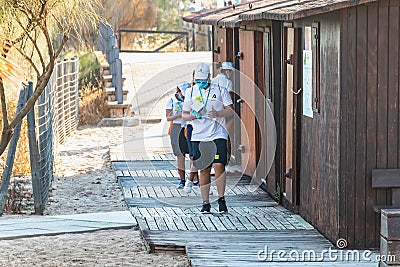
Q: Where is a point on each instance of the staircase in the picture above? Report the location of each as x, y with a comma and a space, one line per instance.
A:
116, 110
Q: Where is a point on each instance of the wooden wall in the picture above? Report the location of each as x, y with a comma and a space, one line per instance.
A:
369, 115
319, 160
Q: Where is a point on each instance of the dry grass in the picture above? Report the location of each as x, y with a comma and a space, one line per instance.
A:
92, 105
21, 163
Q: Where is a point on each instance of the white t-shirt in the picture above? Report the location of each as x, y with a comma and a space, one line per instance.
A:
176, 106
206, 129
223, 81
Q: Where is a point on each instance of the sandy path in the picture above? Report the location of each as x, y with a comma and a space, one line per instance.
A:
85, 183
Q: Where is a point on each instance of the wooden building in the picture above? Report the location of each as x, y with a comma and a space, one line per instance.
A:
331, 70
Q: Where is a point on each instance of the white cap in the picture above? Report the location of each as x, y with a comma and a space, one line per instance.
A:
227, 66
183, 86
201, 72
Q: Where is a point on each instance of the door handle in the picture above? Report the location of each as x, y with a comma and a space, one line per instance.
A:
288, 173
296, 93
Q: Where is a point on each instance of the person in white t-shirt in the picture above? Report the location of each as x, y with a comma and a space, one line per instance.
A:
222, 79
206, 107
173, 113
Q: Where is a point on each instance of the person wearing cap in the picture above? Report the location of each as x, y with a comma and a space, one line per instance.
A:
206, 107
173, 113
222, 79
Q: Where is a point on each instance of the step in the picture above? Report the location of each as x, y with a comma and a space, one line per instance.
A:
108, 77
119, 110
110, 91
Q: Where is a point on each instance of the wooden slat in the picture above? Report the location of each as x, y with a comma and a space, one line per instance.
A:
382, 97
207, 223
371, 228
170, 223
385, 178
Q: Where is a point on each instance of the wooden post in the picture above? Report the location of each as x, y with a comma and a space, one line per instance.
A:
118, 82
34, 158
5, 179
390, 237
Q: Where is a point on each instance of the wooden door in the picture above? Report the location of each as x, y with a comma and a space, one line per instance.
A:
248, 125
290, 179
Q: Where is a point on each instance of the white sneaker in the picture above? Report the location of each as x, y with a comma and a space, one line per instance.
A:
188, 186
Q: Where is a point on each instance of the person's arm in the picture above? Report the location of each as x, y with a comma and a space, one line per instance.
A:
226, 112
170, 117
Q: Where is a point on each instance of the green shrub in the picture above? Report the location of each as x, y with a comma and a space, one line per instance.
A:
89, 70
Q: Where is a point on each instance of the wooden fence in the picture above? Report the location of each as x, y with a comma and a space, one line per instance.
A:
54, 118
107, 44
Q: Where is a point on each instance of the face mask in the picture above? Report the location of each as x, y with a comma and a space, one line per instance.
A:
202, 84
178, 96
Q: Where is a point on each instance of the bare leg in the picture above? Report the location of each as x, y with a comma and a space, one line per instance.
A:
194, 174
205, 183
220, 178
181, 167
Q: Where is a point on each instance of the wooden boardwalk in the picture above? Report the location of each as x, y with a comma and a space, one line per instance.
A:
251, 234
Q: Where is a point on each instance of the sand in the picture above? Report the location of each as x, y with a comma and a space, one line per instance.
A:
85, 183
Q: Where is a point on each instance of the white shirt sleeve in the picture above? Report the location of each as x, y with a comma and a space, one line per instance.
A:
187, 104
226, 98
170, 104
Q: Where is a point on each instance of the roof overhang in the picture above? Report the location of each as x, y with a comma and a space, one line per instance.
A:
235, 16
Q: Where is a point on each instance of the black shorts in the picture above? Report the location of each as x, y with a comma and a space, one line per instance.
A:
208, 152
178, 140
189, 130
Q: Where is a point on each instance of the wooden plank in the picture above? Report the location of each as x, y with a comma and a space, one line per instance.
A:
208, 223
180, 224
162, 225
151, 192
126, 192
135, 192
159, 192
154, 173
189, 223
372, 94
246, 223
143, 191
385, 178
151, 222
142, 223
153, 212
351, 149
382, 98
170, 211
255, 222
218, 224
361, 121
393, 85
227, 223
170, 223
147, 173
144, 212
199, 224
135, 212
267, 223
166, 191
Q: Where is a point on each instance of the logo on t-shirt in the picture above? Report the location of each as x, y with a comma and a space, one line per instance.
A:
214, 96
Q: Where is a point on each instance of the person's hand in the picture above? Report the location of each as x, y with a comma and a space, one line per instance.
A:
213, 113
196, 114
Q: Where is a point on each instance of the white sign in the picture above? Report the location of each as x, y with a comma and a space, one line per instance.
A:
307, 83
